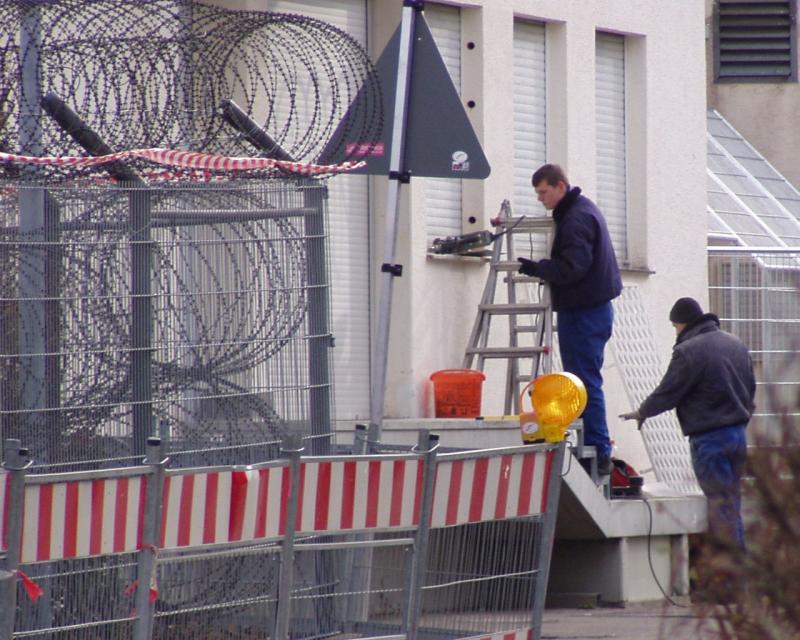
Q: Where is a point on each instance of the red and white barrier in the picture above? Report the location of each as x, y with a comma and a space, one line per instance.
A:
82, 518
196, 509
102, 516
490, 488
258, 503
359, 495
518, 634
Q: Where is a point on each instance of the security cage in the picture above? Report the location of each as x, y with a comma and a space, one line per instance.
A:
193, 311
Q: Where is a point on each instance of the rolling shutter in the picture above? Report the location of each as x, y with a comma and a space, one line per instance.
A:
443, 195
349, 234
530, 124
611, 138
755, 40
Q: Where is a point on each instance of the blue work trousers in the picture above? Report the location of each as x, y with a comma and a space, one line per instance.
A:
582, 337
718, 458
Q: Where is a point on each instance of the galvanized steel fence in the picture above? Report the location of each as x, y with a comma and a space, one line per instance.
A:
756, 294
420, 544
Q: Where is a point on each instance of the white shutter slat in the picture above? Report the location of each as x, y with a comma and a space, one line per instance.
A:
348, 230
530, 124
611, 138
443, 201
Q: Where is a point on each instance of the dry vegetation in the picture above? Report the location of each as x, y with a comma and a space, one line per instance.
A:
758, 596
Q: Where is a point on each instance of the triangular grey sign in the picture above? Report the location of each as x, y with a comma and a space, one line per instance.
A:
440, 141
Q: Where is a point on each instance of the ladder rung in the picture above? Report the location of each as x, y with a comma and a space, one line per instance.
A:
530, 223
507, 352
527, 329
513, 309
507, 265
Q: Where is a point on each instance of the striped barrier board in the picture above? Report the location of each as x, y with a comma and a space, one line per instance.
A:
258, 503
102, 516
490, 488
359, 495
517, 634
335, 496
195, 509
81, 518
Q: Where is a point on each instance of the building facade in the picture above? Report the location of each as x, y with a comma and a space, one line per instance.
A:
612, 91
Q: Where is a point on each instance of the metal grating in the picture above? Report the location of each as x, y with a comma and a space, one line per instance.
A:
755, 40
634, 349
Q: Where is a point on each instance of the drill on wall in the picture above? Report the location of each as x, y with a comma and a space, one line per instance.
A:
469, 242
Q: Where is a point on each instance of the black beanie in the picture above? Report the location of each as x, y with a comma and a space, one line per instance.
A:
685, 311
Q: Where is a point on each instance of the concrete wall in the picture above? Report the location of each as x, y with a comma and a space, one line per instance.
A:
435, 300
766, 113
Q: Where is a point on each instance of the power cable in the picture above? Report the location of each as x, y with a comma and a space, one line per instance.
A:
650, 557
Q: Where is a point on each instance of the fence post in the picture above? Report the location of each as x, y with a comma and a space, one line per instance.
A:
427, 444
545, 549
16, 462
357, 561
291, 448
151, 527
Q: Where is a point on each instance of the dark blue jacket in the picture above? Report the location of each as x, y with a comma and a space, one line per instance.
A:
709, 380
582, 269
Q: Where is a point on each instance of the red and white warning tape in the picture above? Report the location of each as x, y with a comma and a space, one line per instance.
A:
186, 159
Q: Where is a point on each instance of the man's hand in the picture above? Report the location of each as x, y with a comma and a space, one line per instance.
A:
527, 267
634, 415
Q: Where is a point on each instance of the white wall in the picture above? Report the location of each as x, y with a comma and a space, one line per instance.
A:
435, 300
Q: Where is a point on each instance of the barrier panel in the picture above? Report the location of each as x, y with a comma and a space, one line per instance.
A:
303, 512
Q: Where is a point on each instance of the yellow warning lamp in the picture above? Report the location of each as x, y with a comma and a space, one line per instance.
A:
557, 399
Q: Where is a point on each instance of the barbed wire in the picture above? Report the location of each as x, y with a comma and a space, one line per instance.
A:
155, 73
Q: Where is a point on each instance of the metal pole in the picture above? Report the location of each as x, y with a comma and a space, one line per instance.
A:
291, 449
145, 610
320, 339
545, 549
16, 462
357, 562
141, 249
427, 444
397, 176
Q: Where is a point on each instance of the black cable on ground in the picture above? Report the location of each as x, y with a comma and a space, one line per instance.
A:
650, 557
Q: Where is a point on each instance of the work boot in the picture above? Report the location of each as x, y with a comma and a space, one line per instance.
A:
604, 466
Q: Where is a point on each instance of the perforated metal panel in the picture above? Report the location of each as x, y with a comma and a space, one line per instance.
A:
634, 349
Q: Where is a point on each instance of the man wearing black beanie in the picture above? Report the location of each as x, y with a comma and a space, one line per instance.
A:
710, 383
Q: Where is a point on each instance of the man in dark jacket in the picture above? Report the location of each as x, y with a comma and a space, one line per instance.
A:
583, 276
710, 383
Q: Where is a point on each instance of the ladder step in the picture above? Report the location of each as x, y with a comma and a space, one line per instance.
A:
507, 352
513, 309
507, 265
528, 225
527, 329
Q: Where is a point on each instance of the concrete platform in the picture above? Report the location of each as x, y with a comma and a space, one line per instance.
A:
646, 621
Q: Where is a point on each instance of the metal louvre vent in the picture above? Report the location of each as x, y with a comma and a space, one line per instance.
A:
756, 40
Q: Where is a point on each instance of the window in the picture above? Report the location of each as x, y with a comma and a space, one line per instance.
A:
755, 40
530, 127
611, 138
443, 195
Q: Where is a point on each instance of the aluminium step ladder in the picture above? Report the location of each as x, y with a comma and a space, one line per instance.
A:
527, 307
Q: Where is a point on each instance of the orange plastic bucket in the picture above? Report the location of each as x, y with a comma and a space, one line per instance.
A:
457, 393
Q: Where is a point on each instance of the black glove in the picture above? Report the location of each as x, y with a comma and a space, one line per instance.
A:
527, 267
